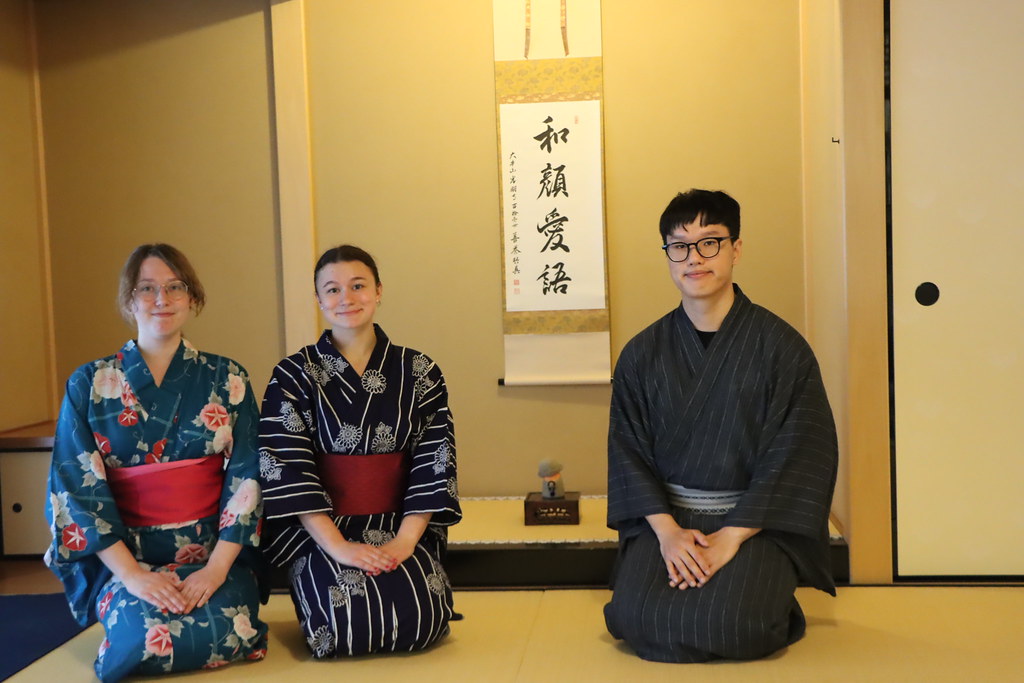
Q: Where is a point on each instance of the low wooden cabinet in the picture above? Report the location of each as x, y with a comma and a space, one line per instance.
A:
23, 497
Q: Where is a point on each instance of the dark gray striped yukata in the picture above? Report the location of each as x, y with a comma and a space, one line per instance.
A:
747, 414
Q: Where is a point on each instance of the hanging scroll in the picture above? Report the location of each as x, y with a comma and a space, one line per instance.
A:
548, 83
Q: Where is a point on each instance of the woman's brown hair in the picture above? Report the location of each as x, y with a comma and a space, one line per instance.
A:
174, 259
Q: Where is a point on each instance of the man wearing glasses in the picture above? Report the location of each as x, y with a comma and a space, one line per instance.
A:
722, 458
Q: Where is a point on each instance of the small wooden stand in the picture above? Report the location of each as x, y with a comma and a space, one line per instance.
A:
540, 510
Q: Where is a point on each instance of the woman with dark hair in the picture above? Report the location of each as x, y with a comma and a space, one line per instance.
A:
154, 497
357, 460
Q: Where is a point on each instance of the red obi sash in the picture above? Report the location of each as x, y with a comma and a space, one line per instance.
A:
168, 492
364, 484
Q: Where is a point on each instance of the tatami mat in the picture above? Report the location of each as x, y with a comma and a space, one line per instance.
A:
866, 634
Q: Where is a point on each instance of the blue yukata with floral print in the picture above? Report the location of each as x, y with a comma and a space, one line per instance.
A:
115, 416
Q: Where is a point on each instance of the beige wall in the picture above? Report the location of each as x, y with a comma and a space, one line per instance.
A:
405, 164
157, 120
26, 374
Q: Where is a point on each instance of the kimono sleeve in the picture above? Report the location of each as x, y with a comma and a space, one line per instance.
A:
288, 472
634, 488
433, 485
790, 490
80, 507
241, 498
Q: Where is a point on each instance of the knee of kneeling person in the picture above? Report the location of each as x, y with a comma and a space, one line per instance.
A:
748, 636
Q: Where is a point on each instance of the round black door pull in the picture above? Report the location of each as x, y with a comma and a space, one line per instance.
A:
16, 507
926, 293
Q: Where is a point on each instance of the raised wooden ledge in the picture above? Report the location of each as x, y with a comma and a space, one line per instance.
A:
33, 437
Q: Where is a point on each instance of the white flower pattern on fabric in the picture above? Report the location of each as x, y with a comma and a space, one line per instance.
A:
92, 465
223, 439
348, 437
191, 353
242, 626
245, 499
383, 439
442, 457
269, 469
373, 382
333, 365
61, 512
321, 642
437, 580
338, 596
290, 419
377, 537
438, 569
106, 383
317, 372
236, 389
435, 583
453, 488
420, 365
353, 581
422, 386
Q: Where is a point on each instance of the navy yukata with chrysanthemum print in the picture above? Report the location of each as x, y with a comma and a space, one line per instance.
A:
317, 404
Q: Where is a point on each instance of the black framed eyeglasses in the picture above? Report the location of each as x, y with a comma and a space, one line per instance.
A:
707, 247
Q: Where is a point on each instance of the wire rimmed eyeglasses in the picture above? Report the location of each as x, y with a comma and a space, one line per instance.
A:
149, 291
707, 247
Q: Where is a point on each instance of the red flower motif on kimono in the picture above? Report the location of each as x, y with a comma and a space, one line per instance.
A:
73, 538
214, 415
158, 640
159, 446
104, 646
216, 664
128, 398
128, 417
193, 553
259, 527
152, 458
102, 443
227, 518
257, 654
105, 604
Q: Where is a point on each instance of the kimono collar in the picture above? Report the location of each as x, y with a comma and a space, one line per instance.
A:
689, 332
141, 379
326, 348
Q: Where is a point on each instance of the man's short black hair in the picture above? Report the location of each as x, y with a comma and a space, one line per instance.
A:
711, 207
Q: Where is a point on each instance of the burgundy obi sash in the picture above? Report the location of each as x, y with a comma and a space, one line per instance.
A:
168, 492
364, 484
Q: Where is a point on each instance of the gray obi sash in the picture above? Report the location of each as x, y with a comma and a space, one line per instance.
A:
702, 502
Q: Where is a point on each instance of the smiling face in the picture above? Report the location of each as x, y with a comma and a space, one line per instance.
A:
348, 295
163, 317
706, 282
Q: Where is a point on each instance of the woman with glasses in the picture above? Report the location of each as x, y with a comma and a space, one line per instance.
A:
357, 458
154, 499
